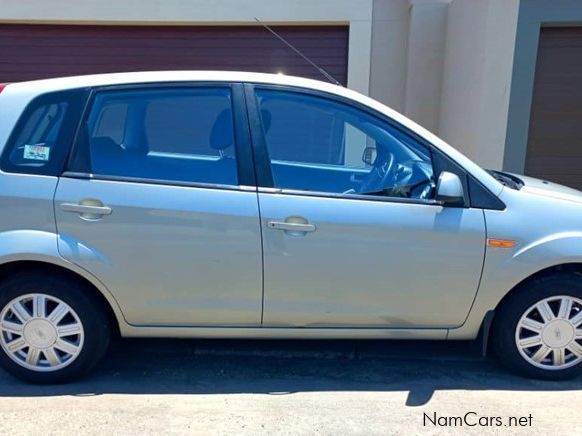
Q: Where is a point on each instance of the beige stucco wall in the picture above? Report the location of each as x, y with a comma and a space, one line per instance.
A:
478, 62
452, 73
390, 26
408, 39
426, 50
444, 63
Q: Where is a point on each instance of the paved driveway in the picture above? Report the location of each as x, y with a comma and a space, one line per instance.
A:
253, 387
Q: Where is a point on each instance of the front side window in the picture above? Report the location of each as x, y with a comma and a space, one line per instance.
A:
321, 145
172, 134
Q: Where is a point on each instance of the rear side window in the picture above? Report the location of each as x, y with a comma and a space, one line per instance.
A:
171, 134
43, 135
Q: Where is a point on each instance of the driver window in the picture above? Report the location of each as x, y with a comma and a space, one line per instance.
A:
320, 145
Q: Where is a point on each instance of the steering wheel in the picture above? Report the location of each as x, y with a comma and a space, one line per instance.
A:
396, 179
403, 176
379, 176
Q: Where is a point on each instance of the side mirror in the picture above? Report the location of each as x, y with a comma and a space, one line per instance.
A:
449, 189
369, 155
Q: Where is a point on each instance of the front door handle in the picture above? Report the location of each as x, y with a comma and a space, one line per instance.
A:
87, 209
291, 226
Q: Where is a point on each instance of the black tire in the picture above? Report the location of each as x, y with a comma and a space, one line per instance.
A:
79, 297
513, 308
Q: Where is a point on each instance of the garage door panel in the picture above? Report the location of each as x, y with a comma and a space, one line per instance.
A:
334, 54
554, 148
567, 165
41, 51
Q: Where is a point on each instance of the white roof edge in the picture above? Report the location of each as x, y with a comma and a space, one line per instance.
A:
47, 85
169, 76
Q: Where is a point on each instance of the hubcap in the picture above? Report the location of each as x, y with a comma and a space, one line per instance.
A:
40, 332
549, 334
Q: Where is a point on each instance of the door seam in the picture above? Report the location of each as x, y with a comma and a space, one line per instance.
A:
262, 260
480, 277
253, 160
54, 204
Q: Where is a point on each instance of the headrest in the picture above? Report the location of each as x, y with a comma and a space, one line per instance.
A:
221, 135
135, 138
266, 119
104, 145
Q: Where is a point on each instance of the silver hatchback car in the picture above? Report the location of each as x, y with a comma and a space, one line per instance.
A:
241, 205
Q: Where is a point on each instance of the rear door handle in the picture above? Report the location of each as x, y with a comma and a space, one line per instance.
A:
291, 227
93, 211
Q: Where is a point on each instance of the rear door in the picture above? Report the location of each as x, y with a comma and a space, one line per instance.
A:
158, 203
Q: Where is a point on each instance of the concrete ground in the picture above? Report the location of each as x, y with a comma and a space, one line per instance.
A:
294, 387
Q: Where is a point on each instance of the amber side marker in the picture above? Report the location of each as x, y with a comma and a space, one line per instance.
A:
501, 243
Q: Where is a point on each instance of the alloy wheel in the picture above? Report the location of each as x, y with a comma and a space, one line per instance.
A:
549, 333
41, 332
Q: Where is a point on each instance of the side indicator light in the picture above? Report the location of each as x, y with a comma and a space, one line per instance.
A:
501, 243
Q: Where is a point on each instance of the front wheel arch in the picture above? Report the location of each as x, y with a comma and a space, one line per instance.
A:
553, 284
488, 322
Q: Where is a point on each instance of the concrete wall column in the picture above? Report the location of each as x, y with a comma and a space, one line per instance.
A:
389, 52
478, 63
426, 48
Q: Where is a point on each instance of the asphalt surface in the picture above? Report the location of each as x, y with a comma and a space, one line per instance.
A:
292, 387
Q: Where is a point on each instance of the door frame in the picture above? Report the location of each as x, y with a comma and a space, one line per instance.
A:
476, 195
80, 170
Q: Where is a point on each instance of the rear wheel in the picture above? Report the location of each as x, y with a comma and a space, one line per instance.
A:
538, 329
52, 329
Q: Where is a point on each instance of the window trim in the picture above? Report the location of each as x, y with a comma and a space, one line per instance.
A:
163, 182
242, 138
263, 168
342, 196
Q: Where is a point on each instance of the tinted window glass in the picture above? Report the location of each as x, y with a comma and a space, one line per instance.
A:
38, 137
183, 134
43, 135
317, 144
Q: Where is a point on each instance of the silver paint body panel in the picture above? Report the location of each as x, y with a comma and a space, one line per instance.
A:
546, 221
188, 262
370, 263
174, 255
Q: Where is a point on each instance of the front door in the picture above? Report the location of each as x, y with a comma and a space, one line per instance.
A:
163, 221
352, 235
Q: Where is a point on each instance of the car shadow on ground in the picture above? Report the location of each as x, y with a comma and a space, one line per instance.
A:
155, 366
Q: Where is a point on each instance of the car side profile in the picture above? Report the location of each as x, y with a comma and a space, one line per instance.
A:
246, 205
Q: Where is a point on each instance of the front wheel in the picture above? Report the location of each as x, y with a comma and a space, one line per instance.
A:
538, 329
51, 328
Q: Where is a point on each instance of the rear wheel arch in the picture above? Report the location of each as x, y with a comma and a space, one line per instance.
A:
14, 268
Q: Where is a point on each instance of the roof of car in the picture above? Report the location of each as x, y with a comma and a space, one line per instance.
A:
37, 87
177, 76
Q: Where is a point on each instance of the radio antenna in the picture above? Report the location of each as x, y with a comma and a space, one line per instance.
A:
296, 50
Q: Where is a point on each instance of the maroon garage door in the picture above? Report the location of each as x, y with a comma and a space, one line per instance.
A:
39, 51
554, 149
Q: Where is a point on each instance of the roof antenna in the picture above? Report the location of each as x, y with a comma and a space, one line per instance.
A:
296, 50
